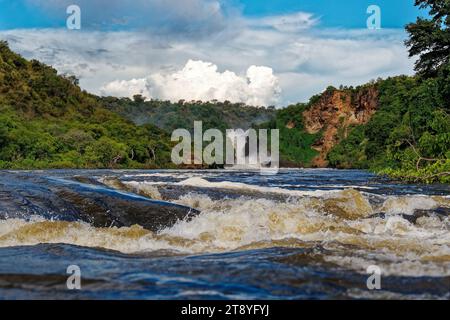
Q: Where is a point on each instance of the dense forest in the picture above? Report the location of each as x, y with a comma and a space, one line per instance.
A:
46, 121
182, 114
409, 135
295, 145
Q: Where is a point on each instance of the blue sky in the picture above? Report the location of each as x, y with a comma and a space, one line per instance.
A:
17, 14
255, 51
338, 13
332, 13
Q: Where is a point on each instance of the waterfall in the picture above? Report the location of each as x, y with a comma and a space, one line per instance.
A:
246, 150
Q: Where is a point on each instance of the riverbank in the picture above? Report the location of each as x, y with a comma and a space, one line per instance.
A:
439, 173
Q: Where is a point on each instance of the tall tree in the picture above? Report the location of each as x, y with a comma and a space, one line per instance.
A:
430, 38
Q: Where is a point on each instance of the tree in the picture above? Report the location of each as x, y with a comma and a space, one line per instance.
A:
139, 98
106, 153
430, 38
72, 79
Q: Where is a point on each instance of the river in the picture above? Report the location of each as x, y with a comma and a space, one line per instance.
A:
300, 234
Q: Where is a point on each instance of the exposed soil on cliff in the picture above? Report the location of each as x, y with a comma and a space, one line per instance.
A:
334, 115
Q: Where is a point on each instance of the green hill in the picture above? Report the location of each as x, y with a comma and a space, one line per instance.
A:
399, 126
409, 135
46, 121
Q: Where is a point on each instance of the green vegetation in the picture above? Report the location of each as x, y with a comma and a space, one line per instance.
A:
295, 142
409, 136
171, 116
430, 38
46, 121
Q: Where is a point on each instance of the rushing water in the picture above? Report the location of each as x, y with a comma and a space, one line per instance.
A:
300, 234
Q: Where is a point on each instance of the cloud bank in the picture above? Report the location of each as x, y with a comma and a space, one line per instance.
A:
300, 57
200, 80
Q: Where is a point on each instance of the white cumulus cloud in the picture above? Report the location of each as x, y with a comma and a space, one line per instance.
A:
199, 80
305, 57
123, 88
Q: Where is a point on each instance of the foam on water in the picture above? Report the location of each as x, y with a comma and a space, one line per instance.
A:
203, 183
338, 221
409, 204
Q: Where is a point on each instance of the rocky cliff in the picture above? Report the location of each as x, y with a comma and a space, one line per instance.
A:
334, 114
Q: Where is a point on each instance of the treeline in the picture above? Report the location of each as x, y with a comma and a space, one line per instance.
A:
171, 116
295, 145
46, 121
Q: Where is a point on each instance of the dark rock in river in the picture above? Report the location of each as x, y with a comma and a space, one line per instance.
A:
27, 194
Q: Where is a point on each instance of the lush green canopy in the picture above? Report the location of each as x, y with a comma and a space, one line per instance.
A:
46, 121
